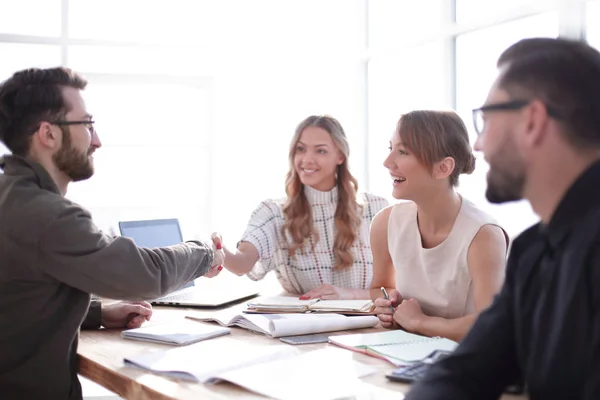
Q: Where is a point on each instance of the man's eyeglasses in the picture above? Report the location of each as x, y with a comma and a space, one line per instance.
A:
512, 105
89, 124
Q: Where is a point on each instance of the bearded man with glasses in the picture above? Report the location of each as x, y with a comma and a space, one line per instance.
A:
539, 130
52, 256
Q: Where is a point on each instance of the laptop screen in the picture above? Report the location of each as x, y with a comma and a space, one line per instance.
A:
153, 233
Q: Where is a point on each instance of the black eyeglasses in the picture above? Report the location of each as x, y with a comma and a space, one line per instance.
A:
512, 105
89, 124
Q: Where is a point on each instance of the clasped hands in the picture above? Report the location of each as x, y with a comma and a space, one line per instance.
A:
407, 313
218, 256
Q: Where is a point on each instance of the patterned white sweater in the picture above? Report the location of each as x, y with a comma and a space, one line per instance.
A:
310, 269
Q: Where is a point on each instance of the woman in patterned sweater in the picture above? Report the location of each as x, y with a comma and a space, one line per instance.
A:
317, 239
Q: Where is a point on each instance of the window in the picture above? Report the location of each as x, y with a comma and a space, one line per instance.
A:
476, 56
154, 161
394, 23
592, 14
476, 11
141, 21
264, 76
17, 17
270, 97
17, 56
222, 26
142, 60
413, 80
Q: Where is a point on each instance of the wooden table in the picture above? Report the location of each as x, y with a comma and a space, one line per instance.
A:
101, 354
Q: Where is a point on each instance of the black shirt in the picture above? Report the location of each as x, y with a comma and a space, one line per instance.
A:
544, 326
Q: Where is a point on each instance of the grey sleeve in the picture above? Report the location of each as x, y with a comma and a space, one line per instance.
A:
74, 251
93, 318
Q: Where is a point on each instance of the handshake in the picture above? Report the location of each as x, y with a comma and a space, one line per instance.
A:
218, 258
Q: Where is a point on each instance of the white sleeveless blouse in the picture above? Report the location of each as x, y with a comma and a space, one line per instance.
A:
438, 278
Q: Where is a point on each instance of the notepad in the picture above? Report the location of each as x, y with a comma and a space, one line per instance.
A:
396, 346
180, 333
287, 304
278, 325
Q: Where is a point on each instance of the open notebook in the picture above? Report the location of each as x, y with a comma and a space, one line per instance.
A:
177, 333
279, 325
287, 304
396, 346
276, 371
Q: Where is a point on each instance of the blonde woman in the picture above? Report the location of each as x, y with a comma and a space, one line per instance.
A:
317, 239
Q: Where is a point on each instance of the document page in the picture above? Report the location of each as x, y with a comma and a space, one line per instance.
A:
202, 362
328, 373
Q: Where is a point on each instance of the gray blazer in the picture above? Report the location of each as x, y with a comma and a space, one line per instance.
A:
52, 257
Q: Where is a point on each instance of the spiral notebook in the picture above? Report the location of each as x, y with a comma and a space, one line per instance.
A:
397, 347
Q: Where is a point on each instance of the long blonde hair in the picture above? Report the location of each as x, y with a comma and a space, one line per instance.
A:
298, 218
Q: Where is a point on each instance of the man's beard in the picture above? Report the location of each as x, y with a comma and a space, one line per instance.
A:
75, 164
506, 177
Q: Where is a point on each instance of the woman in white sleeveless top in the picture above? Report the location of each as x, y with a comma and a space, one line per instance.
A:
440, 258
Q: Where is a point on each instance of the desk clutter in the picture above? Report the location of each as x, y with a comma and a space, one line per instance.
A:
278, 370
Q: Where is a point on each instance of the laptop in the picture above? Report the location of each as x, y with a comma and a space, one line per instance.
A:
222, 290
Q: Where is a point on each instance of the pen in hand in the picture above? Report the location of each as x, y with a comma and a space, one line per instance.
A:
387, 298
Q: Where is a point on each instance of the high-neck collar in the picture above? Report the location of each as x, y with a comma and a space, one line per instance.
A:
315, 196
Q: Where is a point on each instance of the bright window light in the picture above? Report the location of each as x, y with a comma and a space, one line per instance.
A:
393, 22
478, 11
416, 79
154, 162
30, 17
592, 14
476, 56
17, 56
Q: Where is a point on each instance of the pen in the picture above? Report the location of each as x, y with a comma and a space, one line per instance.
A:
387, 298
